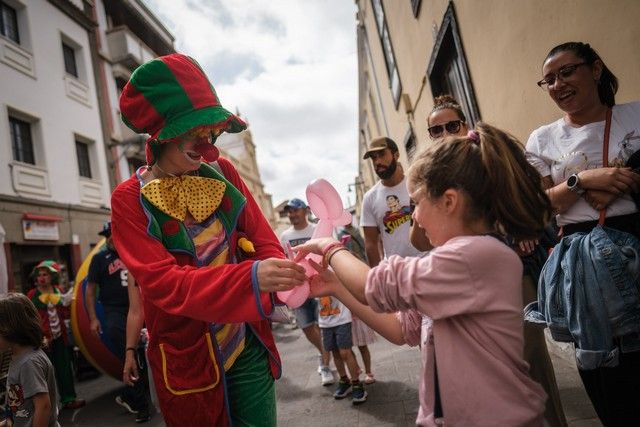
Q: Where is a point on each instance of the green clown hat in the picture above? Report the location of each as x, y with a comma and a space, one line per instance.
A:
53, 267
170, 96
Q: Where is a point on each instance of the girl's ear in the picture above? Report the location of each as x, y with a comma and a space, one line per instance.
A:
451, 200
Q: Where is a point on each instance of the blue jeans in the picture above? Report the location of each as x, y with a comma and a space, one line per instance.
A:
115, 328
307, 313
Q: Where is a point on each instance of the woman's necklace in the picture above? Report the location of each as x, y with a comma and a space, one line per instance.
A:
166, 174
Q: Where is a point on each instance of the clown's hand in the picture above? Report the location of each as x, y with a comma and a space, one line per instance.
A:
313, 246
275, 275
324, 283
67, 298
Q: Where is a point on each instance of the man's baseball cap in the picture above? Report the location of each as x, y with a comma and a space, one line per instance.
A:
295, 204
106, 229
379, 144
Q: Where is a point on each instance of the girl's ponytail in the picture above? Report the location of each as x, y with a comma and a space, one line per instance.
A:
490, 167
518, 202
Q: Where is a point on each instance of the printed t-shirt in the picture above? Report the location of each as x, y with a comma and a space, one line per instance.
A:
387, 208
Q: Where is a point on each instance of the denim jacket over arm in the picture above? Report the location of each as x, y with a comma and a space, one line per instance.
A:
589, 294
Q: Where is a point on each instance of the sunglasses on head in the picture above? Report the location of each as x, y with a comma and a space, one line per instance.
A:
451, 127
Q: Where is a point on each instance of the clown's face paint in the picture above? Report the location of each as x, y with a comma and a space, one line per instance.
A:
184, 154
43, 278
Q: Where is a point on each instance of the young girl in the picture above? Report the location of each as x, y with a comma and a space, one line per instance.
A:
31, 383
468, 192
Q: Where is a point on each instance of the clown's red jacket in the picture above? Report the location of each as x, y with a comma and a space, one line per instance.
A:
181, 300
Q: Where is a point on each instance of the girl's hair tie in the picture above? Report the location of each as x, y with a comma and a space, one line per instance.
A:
473, 135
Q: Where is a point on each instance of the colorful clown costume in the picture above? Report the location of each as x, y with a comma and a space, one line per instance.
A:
193, 244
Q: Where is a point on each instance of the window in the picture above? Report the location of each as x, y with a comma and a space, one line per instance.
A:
69, 54
84, 164
415, 6
447, 70
9, 22
410, 144
21, 141
387, 49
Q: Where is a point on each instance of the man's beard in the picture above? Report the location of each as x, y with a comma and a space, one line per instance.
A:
388, 172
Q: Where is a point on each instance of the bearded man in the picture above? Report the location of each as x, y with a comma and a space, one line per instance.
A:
386, 212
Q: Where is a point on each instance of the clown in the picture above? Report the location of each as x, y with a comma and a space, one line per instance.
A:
52, 308
205, 258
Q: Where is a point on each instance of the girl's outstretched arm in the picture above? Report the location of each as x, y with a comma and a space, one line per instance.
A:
351, 272
386, 324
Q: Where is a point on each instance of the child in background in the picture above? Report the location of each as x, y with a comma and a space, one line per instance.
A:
363, 336
334, 320
463, 301
52, 307
31, 383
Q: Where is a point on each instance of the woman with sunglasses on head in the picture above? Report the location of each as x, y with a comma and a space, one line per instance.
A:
570, 154
446, 119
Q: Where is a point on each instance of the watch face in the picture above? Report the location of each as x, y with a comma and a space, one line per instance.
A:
572, 181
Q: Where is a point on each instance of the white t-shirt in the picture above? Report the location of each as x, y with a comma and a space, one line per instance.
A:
331, 312
560, 150
387, 208
296, 237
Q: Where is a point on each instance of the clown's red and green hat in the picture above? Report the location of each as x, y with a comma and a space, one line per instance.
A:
53, 267
170, 96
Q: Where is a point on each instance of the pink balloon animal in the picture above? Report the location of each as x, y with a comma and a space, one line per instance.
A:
326, 205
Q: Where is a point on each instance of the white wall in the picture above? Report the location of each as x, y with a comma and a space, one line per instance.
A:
45, 95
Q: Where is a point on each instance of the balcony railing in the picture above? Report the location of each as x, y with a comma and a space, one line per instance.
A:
127, 49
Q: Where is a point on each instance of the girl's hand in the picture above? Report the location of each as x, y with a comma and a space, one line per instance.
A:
313, 246
599, 199
275, 275
618, 181
130, 371
324, 283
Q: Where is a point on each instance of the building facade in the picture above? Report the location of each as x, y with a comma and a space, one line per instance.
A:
54, 186
240, 149
63, 63
63, 147
488, 54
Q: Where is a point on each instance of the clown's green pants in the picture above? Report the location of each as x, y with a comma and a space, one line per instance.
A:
251, 389
60, 357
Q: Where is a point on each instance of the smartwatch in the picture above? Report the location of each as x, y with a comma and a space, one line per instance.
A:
573, 182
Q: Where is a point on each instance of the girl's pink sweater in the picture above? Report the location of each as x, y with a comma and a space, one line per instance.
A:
463, 304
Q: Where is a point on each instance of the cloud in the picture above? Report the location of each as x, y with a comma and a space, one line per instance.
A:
290, 67
228, 66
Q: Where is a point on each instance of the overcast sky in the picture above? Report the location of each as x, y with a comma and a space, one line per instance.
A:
290, 68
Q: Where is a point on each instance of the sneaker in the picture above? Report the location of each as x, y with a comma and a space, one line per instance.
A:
120, 401
359, 394
369, 378
143, 416
344, 388
326, 376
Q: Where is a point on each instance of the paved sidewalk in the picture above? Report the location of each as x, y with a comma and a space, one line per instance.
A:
302, 401
392, 400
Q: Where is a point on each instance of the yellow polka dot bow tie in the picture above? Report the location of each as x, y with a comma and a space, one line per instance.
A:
47, 298
175, 196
